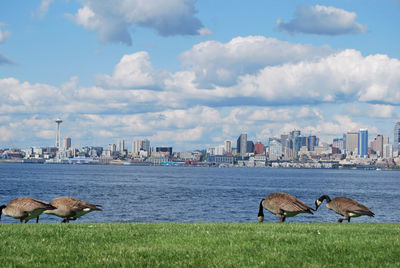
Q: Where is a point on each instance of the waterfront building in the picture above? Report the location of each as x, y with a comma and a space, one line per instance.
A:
66, 143
387, 151
275, 149
352, 143
339, 144
121, 145
242, 144
377, 145
250, 147
140, 145
219, 150
259, 148
363, 143
164, 149
311, 143
396, 138
228, 147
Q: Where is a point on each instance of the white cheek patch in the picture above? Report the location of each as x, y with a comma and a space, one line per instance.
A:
86, 209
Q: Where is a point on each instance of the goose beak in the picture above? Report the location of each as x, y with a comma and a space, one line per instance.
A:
260, 218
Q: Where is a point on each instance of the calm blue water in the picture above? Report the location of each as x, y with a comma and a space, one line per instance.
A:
179, 194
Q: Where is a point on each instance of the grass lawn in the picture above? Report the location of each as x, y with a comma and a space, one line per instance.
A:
200, 245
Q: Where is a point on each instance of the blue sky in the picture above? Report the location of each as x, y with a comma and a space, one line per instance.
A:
192, 74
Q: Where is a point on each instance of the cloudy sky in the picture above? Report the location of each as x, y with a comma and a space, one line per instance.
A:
191, 74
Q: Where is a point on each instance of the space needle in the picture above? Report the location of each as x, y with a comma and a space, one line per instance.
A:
58, 121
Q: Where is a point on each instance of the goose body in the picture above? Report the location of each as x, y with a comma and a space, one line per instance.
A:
282, 205
25, 208
345, 206
71, 208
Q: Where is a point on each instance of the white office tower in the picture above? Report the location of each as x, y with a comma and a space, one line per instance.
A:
121, 145
141, 145
219, 150
387, 151
228, 146
58, 137
396, 137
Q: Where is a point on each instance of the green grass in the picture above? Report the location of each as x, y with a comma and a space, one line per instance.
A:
200, 245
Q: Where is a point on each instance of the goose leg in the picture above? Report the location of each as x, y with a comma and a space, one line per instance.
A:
37, 219
340, 220
20, 220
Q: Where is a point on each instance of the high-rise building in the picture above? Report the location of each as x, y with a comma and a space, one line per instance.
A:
275, 149
352, 143
121, 145
396, 137
311, 143
242, 144
219, 150
66, 143
259, 148
377, 145
140, 145
250, 146
228, 147
363, 143
112, 148
299, 141
387, 151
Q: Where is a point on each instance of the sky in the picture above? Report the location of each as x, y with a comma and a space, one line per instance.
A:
192, 74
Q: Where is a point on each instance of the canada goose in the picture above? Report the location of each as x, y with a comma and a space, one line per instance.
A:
282, 205
25, 208
70, 208
344, 206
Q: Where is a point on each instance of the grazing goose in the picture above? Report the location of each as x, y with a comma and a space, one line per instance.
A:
25, 208
70, 208
282, 205
344, 206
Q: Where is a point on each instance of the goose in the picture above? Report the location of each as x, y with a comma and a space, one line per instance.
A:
70, 208
25, 208
344, 206
282, 205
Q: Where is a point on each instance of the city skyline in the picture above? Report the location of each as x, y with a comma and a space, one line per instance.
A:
192, 74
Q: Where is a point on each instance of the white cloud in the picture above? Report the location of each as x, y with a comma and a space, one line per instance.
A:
43, 8
217, 63
133, 71
113, 19
6, 134
381, 111
322, 20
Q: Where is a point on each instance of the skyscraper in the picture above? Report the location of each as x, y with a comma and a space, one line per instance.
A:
352, 143
363, 142
377, 145
242, 144
66, 143
121, 145
228, 147
396, 138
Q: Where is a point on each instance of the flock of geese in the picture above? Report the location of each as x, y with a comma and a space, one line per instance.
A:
286, 205
282, 205
68, 208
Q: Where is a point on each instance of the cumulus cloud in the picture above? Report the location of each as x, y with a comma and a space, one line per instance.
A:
113, 20
322, 20
133, 71
344, 76
216, 63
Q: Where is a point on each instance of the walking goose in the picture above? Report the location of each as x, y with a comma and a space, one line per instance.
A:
282, 205
344, 206
25, 208
70, 208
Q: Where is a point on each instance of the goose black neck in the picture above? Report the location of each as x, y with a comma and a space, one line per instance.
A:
328, 199
260, 211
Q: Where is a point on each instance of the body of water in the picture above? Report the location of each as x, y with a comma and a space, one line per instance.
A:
188, 194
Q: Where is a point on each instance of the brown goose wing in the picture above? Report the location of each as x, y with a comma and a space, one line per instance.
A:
72, 204
346, 205
288, 202
29, 204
